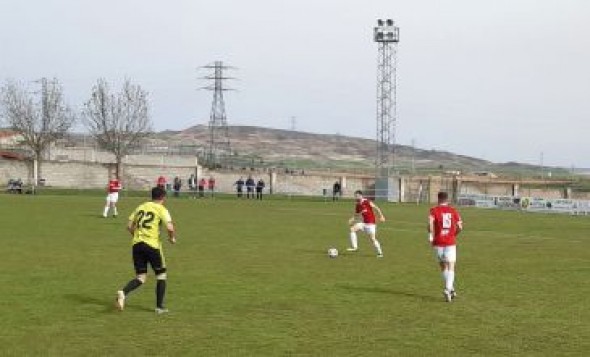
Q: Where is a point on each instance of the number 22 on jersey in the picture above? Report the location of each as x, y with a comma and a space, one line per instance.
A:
144, 219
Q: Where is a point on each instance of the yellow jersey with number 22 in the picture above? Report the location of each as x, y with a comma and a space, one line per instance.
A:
148, 217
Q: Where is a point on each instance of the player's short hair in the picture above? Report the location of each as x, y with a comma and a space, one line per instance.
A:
443, 196
158, 193
358, 192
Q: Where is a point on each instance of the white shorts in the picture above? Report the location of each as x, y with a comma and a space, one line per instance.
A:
113, 197
446, 254
366, 227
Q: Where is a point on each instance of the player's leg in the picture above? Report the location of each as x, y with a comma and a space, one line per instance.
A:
140, 260
114, 199
371, 229
354, 246
158, 263
444, 271
446, 257
451, 258
105, 212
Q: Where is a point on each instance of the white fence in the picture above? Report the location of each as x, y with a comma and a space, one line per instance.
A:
528, 204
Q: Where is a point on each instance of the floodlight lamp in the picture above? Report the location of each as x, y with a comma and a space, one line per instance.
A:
380, 22
389, 22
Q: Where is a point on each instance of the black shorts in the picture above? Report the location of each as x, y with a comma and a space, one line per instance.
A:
144, 254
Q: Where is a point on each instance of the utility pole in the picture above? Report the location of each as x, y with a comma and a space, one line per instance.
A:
219, 146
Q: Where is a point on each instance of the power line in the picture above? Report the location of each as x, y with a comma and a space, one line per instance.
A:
218, 145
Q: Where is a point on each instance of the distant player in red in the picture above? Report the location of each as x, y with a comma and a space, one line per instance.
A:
364, 210
113, 188
444, 224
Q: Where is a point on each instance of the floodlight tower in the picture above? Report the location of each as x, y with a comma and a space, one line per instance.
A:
386, 35
219, 147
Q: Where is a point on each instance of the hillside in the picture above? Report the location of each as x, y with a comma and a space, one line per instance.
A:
276, 147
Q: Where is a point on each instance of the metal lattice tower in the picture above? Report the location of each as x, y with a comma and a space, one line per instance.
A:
386, 34
218, 145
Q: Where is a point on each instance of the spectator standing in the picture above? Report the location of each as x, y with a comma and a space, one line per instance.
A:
192, 185
212, 186
336, 191
176, 186
259, 187
161, 182
250, 184
202, 185
239, 186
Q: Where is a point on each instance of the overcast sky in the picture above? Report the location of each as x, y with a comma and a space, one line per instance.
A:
503, 80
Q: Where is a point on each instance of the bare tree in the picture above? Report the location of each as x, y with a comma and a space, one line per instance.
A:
118, 122
40, 121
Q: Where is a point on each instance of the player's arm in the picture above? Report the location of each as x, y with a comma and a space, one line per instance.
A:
171, 232
170, 227
375, 207
459, 225
131, 226
430, 227
353, 218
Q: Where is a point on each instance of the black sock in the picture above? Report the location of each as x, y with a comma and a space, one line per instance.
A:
160, 292
132, 285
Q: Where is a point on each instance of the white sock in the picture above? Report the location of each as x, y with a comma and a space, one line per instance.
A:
450, 283
377, 247
445, 276
106, 211
353, 240
115, 211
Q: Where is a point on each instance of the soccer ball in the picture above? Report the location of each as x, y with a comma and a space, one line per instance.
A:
332, 252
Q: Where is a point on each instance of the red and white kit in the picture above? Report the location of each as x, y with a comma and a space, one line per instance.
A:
113, 190
363, 207
444, 237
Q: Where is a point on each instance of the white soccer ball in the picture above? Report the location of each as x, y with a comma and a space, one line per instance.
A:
332, 252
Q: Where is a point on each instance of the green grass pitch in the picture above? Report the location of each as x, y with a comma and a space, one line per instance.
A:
253, 279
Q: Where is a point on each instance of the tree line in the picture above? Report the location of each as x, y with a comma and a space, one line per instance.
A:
118, 121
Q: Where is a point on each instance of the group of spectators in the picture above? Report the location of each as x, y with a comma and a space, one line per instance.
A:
196, 188
250, 185
199, 187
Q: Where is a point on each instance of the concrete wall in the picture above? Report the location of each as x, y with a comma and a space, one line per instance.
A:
135, 176
141, 173
13, 169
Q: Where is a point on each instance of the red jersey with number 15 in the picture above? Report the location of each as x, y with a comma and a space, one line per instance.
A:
114, 186
363, 207
445, 225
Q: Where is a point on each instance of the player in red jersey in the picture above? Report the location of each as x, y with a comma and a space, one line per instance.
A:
364, 208
444, 224
113, 188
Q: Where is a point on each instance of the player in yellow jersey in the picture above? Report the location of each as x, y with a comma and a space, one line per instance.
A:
144, 225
